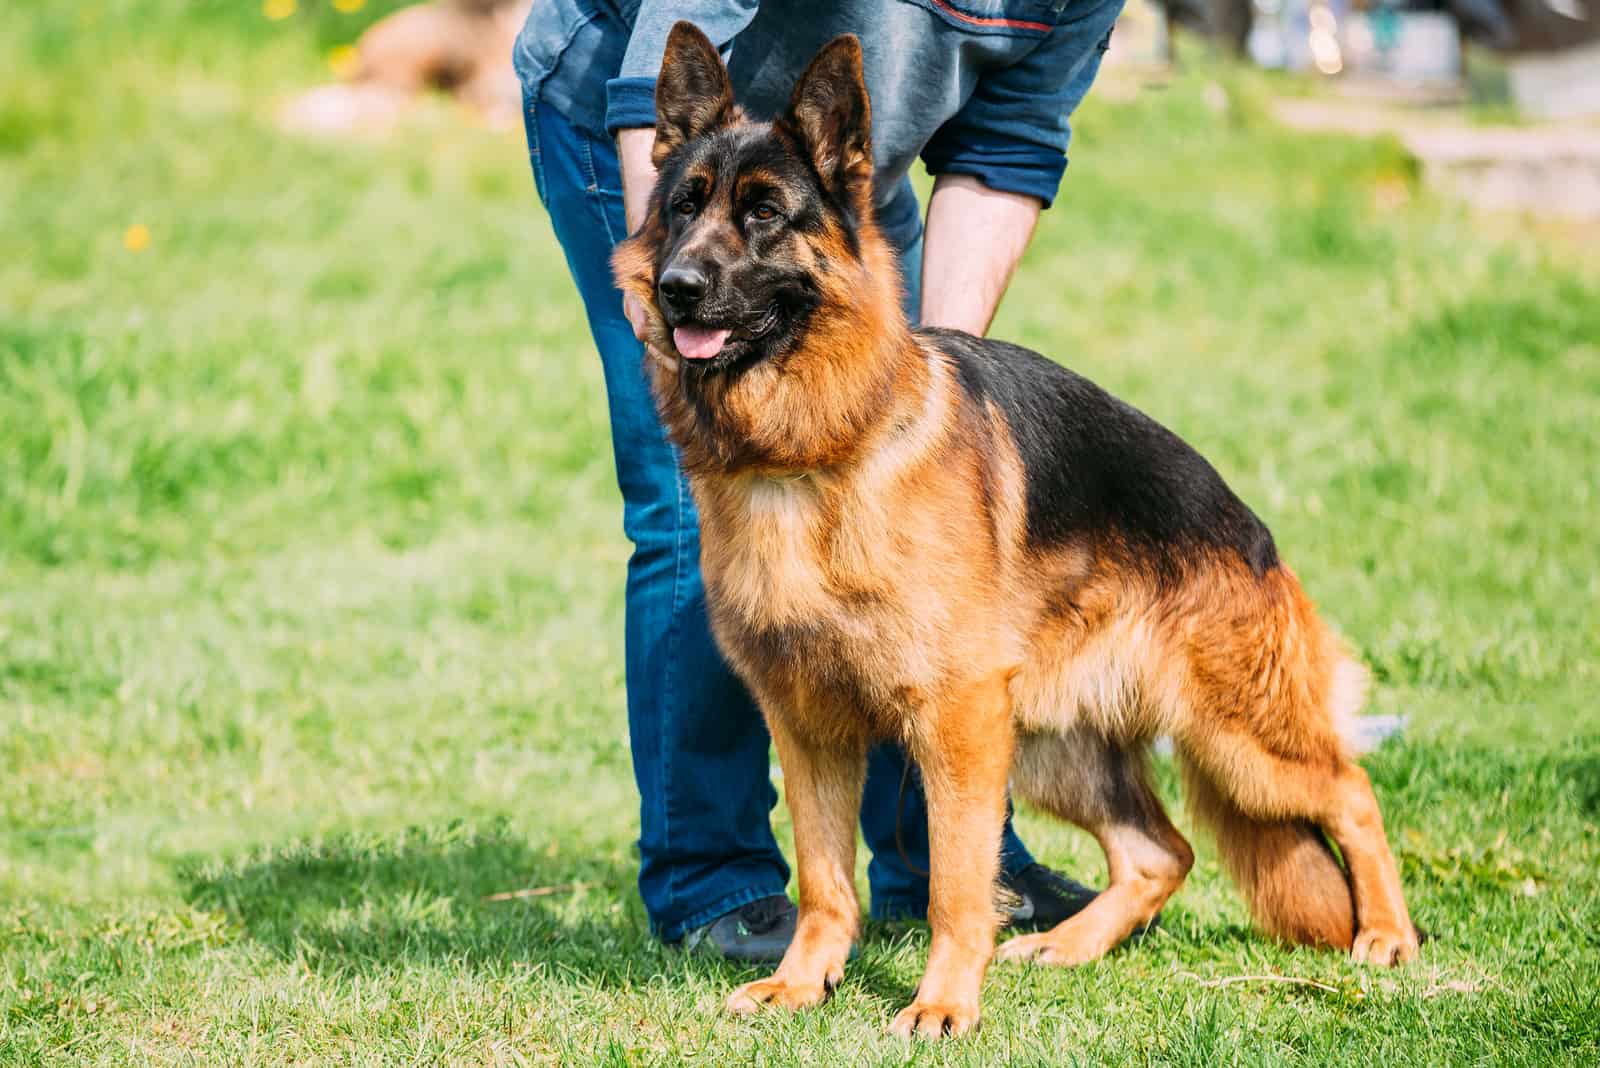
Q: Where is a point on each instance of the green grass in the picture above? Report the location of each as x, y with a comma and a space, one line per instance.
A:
310, 570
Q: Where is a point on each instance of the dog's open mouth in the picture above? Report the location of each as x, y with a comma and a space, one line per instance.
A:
699, 342
696, 341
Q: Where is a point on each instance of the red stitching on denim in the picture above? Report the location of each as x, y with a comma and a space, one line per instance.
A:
978, 20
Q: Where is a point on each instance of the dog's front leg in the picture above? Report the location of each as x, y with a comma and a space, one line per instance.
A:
963, 745
822, 784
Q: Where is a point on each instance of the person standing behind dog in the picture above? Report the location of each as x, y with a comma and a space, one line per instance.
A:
982, 91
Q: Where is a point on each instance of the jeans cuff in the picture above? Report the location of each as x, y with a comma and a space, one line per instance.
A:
897, 909
670, 933
1015, 863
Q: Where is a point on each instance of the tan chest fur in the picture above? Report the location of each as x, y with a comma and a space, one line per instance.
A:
805, 581
864, 590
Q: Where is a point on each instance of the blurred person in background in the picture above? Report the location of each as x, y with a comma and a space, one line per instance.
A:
982, 91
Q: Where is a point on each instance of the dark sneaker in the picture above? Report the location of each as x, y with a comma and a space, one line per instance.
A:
756, 933
1043, 898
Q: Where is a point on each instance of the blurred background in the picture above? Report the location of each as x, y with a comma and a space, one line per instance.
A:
312, 741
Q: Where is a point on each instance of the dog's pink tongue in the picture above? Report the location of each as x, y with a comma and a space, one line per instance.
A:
699, 342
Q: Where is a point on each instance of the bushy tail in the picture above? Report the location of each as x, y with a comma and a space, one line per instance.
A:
1288, 875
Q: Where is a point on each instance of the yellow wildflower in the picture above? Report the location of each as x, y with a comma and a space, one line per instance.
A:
343, 61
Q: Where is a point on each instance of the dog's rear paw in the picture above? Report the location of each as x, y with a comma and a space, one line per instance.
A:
1384, 945
780, 992
925, 1019
1048, 948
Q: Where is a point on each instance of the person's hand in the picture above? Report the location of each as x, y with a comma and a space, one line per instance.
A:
638, 317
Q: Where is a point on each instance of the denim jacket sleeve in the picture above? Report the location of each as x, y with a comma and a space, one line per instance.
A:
1012, 133
631, 95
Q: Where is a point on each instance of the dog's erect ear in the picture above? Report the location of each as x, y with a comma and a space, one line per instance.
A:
693, 94
833, 117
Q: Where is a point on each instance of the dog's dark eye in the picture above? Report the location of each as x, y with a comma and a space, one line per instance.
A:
683, 206
763, 213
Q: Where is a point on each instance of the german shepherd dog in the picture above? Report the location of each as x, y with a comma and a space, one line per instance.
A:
954, 543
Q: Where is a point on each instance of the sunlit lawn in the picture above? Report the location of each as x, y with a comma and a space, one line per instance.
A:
310, 571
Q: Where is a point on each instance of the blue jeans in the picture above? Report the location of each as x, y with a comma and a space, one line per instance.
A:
700, 748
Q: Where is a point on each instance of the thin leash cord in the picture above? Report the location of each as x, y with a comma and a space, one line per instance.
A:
899, 808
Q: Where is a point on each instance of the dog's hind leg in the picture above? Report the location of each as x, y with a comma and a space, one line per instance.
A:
1267, 694
1102, 787
1384, 931
1266, 809
822, 785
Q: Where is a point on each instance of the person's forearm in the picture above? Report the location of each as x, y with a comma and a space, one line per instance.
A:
975, 236
638, 173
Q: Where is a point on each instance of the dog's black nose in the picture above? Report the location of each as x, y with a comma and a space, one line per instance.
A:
683, 287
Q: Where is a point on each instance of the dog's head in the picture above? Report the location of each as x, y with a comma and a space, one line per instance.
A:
751, 224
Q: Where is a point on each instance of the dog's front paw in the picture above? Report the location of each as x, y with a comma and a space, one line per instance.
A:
928, 1019
1385, 945
781, 992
